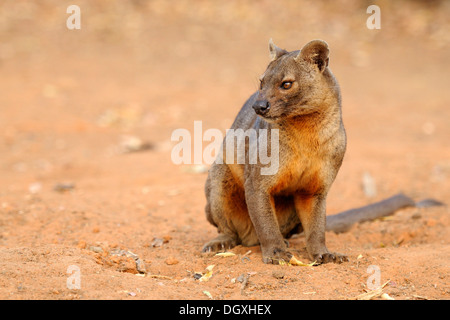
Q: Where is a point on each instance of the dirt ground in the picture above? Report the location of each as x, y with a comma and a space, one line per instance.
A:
86, 116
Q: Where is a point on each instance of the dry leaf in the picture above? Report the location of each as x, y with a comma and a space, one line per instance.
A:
208, 294
157, 276
295, 262
385, 296
225, 254
208, 273
372, 294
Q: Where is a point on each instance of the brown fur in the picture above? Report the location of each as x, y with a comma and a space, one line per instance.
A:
249, 208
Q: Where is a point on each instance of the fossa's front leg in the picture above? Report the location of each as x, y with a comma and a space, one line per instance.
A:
312, 214
261, 210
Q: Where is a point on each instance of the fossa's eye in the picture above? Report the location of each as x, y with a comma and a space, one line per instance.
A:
286, 85
260, 84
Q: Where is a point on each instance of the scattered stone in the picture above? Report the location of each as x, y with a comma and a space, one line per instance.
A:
240, 278
134, 144
96, 249
124, 261
197, 275
369, 187
171, 261
63, 187
35, 187
140, 266
125, 264
278, 274
81, 244
158, 242
416, 215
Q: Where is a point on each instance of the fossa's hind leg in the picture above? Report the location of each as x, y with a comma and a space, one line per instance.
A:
226, 210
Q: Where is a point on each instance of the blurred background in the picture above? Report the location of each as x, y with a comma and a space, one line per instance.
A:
86, 118
95, 108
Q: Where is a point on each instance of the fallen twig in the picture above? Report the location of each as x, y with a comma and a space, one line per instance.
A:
372, 293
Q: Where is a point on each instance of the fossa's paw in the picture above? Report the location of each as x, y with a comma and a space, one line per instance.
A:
330, 257
276, 256
221, 243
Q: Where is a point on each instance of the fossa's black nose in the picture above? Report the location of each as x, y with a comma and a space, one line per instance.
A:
261, 107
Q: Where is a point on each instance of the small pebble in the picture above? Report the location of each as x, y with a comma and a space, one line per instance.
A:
278, 274
63, 187
96, 249
171, 261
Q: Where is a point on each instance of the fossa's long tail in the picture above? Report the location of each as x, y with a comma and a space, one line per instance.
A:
343, 221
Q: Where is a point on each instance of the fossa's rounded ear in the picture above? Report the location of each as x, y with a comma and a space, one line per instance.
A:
315, 52
274, 51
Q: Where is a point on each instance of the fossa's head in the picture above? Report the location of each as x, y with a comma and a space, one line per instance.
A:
296, 83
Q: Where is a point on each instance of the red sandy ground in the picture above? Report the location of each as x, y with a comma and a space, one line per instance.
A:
69, 98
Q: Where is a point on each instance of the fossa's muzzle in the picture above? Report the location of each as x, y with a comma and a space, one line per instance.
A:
261, 107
